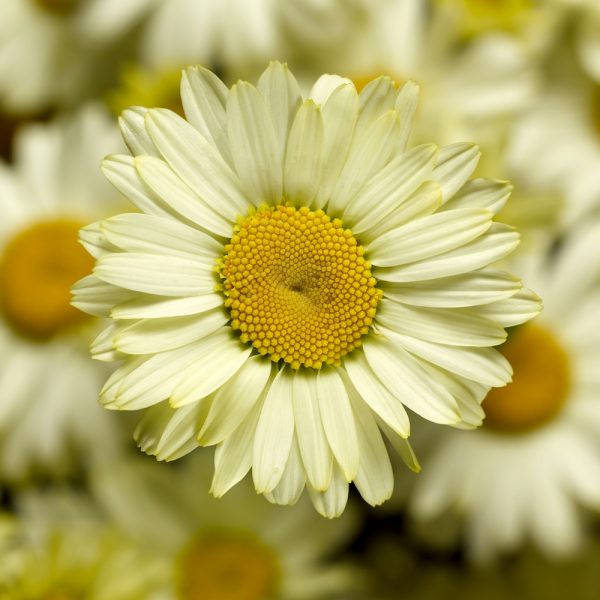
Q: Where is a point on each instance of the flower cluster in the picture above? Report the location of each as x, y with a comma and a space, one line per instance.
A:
296, 246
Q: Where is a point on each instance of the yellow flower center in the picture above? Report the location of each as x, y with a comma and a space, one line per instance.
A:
37, 269
298, 286
540, 382
227, 567
61, 7
481, 15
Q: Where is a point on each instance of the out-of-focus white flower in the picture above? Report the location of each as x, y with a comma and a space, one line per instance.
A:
536, 459
48, 385
236, 35
60, 546
54, 52
463, 86
238, 547
299, 277
557, 142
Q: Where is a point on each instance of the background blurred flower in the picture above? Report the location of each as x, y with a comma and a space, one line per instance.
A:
63, 547
48, 387
235, 548
56, 52
536, 457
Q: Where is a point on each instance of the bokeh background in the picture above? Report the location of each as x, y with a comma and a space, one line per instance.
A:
508, 511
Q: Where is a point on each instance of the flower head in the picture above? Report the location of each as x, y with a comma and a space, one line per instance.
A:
299, 277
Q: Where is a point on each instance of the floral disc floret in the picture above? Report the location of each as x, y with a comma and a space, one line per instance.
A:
540, 383
37, 269
298, 286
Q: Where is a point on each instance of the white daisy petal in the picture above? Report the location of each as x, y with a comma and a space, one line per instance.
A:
382, 402
332, 502
290, 487
92, 238
499, 241
339, 113
455, 164
274, 433
406, 107
404, 378
367, 156
489, 194
338, 421
313, 444
147, 382
401, 446
168, 334
159, 307
470, 289
521, 307
97, 297
197, 162
428, 237
121, 172
256, 151
204, 97
133, 129
179, 197
149, 234
375, 479
450, 326
178, 435
376, 98
233, 456
325, 86
234, 400
282, 95
484, 365
152, 274
387, 190
424, 201
302, 163
222, 359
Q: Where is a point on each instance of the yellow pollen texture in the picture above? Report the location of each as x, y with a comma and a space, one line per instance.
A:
540, 382
298, 286
227, 567
37, 269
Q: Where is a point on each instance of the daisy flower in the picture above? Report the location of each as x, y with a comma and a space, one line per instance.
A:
238, 548
299, 277
47, 383
61, 546
55, 43
536, 459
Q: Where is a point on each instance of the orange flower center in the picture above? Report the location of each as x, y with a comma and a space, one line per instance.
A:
227, 567
37, 269
540, 382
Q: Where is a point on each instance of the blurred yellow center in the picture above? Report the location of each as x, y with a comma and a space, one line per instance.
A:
298, 286
37, 269
492, 14
58, 6
227, 567
540, 382
147, 87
